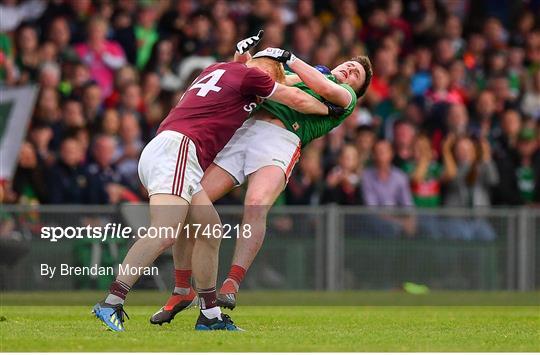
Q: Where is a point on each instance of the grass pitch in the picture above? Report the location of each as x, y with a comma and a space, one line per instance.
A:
281, 324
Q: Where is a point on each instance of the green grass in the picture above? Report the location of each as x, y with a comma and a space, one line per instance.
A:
281, 327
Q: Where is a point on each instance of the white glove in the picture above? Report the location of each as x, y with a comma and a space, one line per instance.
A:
248, 43
281, 55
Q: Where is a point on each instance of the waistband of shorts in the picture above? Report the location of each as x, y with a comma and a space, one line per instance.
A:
174, 135
278, 129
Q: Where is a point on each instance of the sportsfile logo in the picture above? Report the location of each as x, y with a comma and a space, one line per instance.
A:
119, 231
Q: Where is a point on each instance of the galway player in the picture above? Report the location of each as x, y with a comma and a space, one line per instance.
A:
263, 153
171, 167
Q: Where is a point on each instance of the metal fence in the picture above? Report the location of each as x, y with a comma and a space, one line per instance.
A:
310, 247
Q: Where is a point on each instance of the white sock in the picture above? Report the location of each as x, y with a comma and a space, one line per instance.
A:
113, 299
214, 312
181, 291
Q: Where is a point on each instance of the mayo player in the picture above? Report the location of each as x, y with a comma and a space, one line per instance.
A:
263, 153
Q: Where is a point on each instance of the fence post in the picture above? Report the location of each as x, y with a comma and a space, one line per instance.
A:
511, 251
334, 269
525, 251
320, 251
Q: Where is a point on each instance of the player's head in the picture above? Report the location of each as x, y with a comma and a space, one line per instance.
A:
356, 72
271, 67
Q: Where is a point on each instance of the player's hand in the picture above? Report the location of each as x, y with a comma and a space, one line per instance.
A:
281, 55
334, 111
247, 43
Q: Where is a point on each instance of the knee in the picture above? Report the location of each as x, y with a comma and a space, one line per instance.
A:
256, 206
166, 243
257, 199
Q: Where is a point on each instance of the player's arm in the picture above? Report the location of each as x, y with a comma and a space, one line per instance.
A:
256, 82
242, 54
314, 79
317, 82
298, 100
292, 79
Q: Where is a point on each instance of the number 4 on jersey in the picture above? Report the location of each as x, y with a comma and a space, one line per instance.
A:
210, 84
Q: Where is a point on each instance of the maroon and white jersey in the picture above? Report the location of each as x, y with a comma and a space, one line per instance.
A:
215, 106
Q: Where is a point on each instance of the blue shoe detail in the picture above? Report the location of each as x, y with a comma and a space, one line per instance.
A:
110, 315
225, 323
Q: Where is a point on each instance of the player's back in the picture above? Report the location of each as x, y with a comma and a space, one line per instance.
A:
218, 101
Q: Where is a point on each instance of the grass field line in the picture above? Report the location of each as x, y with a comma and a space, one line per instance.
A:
294, 298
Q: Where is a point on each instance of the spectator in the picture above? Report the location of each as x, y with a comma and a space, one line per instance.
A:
49, 75
68, 180
131, 99
485, 113
123, 76
92, 102
100, 55
72, 115
383, 184
40, 136
506, 157
528, 167
404, 134
343, 182
421, 80
440, 91
365, 139
146, 34
469, 172
385, 67
110, 124
59, 34
457, 120
129, 150
530, 104
162, 61
106, 184
386, 186
391, 109
29, 180
425, 174
27, 59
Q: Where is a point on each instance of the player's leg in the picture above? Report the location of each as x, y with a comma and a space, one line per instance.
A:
270, 155
220, 178
264, 187
216, 183
169, 170
183, 295
165, 211
204, 260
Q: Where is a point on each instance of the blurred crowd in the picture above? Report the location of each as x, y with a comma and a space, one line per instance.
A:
452, 117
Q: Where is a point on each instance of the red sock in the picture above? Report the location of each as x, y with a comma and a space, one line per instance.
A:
237, 273
120, 289
182, 278
208, 298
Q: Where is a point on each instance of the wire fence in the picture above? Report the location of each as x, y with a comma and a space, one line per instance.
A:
325, 248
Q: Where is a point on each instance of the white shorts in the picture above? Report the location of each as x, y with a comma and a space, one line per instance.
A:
169, 165
258, 144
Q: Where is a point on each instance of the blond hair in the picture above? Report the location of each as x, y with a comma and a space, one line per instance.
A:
269, 66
